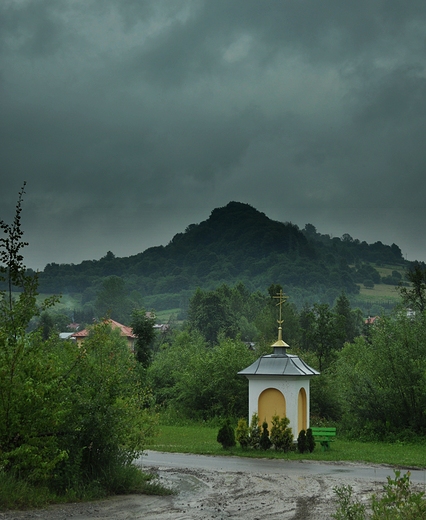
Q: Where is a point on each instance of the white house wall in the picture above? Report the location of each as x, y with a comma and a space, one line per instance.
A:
289, 387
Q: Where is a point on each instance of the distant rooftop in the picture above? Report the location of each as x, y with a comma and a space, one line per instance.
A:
125, 331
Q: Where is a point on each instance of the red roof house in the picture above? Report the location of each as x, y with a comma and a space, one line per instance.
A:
125, 331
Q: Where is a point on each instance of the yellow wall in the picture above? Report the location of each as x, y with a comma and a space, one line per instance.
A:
302, 411
271, 402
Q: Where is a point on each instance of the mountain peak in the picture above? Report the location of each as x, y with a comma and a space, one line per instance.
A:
237, 209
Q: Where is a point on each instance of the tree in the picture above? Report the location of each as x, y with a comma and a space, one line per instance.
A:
169, 365
208, 385
111, 299
415, 297
310, 440
302, 445
28, 371
321, 335
69, 416
255, 432
348, 322
281, 433
142, 324
107, 419
46, 325
226, 435
210, 313
383, 382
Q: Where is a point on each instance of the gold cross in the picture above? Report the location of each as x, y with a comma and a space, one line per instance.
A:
280, 296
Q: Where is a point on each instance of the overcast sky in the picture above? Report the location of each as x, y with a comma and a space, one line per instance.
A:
131, 119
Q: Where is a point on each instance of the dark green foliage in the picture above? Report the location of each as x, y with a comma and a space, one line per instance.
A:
169, 366
348, 323
226, 435
46, 325
310, 441
415, 297
228, 311
211, 315
236, 243
142, 324
202, 382
368, 283
265, 442
302, 444
70, 417
382, 381
325, 399
112, 299
320, 333
108, 416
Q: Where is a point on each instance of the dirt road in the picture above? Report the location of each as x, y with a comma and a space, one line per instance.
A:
204, 494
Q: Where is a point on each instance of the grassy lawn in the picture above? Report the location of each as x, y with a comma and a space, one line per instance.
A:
202, 440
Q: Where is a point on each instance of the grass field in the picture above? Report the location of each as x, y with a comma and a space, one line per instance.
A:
200, 439
164, 316
380, 292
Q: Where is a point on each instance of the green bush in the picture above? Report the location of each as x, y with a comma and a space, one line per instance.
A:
255, 432
310, 441
281, 434
226, 435
72, 418
242, 434
265, 442
349, 508
398, 502
302, 444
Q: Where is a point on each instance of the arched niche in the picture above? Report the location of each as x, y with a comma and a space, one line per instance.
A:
302, 411
271, 402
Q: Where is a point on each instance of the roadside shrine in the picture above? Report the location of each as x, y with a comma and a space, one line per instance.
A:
279, 384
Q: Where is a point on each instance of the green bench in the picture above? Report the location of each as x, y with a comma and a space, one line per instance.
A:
323, 436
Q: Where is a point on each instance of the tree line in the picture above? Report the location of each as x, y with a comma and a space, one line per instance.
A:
236, 243
373, 375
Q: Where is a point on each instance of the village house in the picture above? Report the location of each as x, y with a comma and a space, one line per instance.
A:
125, 331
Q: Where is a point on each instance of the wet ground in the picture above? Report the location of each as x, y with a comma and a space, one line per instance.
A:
231, 488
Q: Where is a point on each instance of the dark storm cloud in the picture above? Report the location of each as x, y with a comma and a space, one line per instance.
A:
132, 119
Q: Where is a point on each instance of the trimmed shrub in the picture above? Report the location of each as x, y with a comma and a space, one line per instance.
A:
226, 435
310, 441
302, 445
265, 442
281, 434
255, 432
242, 434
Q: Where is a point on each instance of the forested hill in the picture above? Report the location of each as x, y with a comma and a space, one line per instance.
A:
236, 243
